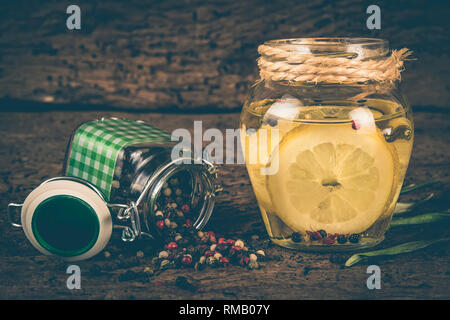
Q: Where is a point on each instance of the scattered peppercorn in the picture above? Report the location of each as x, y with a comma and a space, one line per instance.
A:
186, 260
354, 238
160, 224
172, 245
140, 254
342, 239
185, 208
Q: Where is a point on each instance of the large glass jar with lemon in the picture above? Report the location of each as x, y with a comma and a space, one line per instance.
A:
327, 137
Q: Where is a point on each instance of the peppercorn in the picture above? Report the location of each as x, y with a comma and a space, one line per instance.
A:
186, 260
167, 222
189, 223
323, 233
200, 234
356, 125
221, 241
212, 262
160, 224
149, 271
172, 245
342, 239
224, 261
354, 238
253, 257
236, 248
329, 240
315, 236
223, 247
140, 254
271, 120
180, 213
167, 192
239, 243
296, 237
107, 254
212, 237
163, 254
165, 264
185, 208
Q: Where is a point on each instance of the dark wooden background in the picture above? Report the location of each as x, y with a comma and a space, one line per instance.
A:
195, 55
170, 63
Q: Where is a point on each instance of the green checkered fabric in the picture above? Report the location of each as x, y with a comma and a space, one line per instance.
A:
96, 145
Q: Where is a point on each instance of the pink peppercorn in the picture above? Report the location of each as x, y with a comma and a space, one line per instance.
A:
189, 223
222, 241
172, 245
185, 208
356, 125
186, 260
160, 224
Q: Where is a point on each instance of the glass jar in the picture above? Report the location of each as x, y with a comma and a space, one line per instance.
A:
327, 138
114, 173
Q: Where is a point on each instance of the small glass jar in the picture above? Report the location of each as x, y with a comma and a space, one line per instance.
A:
326, 148
114, 173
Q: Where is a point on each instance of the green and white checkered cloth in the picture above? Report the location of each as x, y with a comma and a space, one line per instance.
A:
96, 145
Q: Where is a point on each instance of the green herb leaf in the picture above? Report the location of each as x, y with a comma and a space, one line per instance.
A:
403, 248
413, 186
423, 218
402, 207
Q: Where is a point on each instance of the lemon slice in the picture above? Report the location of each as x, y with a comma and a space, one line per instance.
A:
332, 178
257, 148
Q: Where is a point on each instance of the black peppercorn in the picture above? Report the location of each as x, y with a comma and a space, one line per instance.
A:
271, 120
296, 237
354, 238
222, 248
342, 239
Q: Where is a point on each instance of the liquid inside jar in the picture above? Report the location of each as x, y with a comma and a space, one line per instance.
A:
326, 175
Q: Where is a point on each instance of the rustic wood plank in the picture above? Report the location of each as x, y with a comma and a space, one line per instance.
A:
32, 149
193, 54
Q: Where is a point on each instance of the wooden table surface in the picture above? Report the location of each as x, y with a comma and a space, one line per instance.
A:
32, 147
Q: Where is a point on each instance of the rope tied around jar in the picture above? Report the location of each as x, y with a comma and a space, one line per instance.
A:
281, 64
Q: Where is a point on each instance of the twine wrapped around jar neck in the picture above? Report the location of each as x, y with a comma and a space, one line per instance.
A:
279, 63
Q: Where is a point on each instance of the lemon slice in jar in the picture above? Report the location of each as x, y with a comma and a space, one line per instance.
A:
332, 177
257, 147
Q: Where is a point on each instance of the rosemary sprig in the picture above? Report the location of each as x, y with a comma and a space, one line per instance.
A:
423, 218
402, 248
413, 187
402, 207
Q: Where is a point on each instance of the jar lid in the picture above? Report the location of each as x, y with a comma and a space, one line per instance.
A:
67, 217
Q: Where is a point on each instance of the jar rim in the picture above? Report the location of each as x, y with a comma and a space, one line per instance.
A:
358, 48
327, 41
